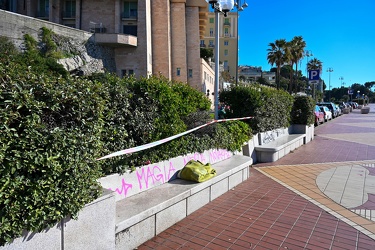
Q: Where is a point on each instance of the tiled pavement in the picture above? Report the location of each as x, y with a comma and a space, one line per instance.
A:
321, 196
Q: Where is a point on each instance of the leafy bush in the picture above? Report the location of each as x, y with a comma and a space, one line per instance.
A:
50, 131
269, 107
303, 110
146, 110
53, 127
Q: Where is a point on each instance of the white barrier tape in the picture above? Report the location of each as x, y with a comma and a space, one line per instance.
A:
156, 143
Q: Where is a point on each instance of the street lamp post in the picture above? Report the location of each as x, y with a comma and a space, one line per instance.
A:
341, 78
329, 70
218, 6
308, 53
240, 7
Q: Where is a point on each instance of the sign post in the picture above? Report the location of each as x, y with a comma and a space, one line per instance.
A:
314, 77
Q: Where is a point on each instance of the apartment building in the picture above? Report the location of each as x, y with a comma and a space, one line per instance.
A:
148, 36
227, 40
251, 74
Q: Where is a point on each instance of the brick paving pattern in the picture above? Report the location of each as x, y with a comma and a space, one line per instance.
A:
298, 202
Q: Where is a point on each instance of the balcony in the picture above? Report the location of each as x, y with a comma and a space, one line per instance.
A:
116, 40
203, 45
226, 23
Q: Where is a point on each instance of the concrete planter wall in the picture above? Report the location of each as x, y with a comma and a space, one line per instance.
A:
303, 129
94, 229
365, 110
155, 174
261, 138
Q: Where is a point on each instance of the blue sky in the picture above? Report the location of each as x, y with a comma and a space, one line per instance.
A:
341, 34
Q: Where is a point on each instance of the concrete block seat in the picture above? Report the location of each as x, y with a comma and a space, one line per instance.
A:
279, 147
146, 214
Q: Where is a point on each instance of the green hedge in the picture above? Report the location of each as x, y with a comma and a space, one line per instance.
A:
270, 107
49, 131
53, 127
303, 110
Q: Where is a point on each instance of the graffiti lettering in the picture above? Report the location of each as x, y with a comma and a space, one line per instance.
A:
152, 175
124, 188
219, 155
196, 156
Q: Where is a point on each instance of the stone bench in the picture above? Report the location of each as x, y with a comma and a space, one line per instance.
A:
279, 146
142, 216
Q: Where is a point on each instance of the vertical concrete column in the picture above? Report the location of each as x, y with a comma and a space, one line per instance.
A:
161, 37
55, 9
193, 48
118, 11
178, 40
78, 14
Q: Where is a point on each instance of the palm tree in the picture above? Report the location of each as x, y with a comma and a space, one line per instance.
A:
278, 55
297, 47
314, 64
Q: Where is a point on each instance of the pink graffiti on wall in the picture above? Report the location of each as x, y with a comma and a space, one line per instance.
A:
124, 187
196, 156
152, 175
219, 155
155, 174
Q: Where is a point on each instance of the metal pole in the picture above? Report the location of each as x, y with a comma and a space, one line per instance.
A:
238, 2
216, 102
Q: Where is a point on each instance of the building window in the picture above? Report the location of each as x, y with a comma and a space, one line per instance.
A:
130, 30
130, 10
212, 20
225, 52
226, 21
202, 44
125, 72
226, 43
226, 32
69, 9
190, 73
211, 31
178, 71
43, 10
211, 43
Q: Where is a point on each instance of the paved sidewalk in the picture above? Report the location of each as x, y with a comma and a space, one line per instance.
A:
321, 196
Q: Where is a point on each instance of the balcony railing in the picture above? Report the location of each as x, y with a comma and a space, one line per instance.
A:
227, 23
203, 45
211, 45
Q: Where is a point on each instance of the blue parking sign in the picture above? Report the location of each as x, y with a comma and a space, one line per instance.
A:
314, 75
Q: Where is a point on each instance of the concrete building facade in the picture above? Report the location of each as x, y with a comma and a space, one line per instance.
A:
227, 40
149, 37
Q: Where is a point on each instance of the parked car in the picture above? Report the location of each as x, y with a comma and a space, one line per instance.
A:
327, 113
319, 116
339, 111
332, 107
354, 105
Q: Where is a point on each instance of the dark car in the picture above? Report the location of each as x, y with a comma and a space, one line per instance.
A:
319, 116
331, 106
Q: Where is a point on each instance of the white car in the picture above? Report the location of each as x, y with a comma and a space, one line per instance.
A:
327, 113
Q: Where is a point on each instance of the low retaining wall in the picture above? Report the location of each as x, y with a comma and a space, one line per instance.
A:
95, 227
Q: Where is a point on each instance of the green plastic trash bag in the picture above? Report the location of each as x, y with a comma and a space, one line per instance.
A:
196, 171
